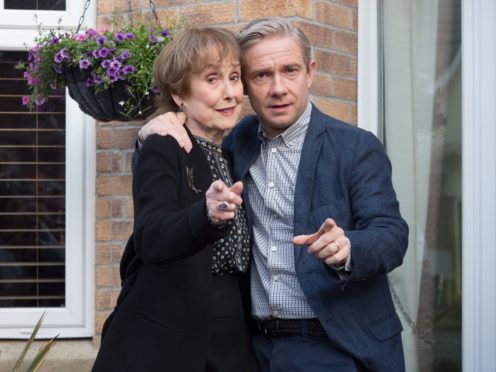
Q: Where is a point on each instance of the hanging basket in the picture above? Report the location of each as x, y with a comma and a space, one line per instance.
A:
105, 105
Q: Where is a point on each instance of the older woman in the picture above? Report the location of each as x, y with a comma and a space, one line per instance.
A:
180, 308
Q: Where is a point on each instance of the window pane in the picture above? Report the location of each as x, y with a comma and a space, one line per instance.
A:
422, 129
32, 195
35, 4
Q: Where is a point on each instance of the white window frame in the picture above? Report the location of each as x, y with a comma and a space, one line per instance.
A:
76, 319
9, 18
479, 172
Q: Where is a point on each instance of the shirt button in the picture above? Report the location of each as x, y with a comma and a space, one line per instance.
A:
276, 278
274, 150
271, 184
273, 249
275, 313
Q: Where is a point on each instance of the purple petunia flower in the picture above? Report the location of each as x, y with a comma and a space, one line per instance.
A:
39, 101
103, 53
54, 40
89, 82
84, 64
91, 32
25, 100
113, 78
33, 80
112, 71
80, 37
64, 52
119, 36
106, 63
164, 32
96, 78
58, 58
153, 39
115, 63
155, 90
100, 40
129, 35
125, 55
128, 69
57, 69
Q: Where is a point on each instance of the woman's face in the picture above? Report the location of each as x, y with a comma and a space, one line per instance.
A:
215, 100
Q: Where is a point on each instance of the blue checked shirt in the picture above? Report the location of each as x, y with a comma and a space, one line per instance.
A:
275, 290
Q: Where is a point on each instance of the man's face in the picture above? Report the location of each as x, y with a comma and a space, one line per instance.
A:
277, 82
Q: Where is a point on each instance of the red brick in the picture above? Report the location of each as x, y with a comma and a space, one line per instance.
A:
211, 14
103, 184
119, 207
103, 300
103, 276
338, 110
344, 88
103, 7
336, 63
103, 161
321, 85
124, 138
100, 318
121, 230
317, 35
252, 9
334, 15
103, 138
102, 230
345, 42
103, 254
102, 207
351, 3
354, 115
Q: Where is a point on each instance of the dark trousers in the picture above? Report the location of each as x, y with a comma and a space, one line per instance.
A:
229, 337
299, 353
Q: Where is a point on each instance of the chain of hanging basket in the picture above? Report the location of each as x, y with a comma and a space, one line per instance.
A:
129, 9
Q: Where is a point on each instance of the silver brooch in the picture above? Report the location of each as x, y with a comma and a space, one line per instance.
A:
189, 176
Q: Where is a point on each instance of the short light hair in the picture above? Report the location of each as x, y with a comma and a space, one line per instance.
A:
191, 51
259, 29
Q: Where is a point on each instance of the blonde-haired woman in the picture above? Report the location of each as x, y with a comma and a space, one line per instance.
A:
180, 308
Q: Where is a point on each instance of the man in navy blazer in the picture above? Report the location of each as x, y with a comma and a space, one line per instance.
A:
326, 223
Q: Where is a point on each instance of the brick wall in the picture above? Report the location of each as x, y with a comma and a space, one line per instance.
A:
332, 29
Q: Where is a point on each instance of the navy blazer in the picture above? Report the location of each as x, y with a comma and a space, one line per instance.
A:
345, 174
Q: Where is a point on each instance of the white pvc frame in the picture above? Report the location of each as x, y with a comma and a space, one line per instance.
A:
479, 170
479, 184
77, 318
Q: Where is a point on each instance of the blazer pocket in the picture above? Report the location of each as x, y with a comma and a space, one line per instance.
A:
386, 328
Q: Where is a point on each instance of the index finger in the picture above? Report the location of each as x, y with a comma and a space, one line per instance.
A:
305, 239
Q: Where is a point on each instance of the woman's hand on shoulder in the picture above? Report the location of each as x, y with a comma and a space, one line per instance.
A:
168, 124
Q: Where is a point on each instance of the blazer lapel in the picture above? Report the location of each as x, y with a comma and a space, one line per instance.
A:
305, 177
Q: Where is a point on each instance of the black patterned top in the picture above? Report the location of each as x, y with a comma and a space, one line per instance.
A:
231, 253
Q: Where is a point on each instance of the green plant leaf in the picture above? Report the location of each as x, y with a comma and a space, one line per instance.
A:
30, 341
41, 355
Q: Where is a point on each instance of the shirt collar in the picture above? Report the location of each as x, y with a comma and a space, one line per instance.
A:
294, 132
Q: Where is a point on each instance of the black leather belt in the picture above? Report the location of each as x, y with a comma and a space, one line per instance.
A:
282, 327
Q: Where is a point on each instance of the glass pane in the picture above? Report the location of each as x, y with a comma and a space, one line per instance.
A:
32, 195
35, 4
422, 132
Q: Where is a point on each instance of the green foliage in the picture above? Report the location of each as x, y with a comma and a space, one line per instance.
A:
104, 58
40, 355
